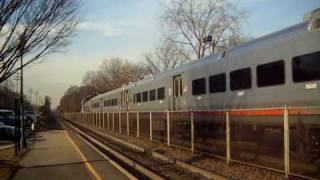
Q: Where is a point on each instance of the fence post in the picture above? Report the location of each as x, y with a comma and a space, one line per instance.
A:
112, 121
128, 124
103, 123
108, 119
168, 128
96, 119
228, 136
150, 125
286, 141
192, 132
99, 119
91, 118
119, 122
138, 125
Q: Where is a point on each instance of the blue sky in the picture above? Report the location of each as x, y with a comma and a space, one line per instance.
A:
129, 28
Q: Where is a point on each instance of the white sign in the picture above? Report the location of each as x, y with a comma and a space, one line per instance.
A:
311, 86
240, 93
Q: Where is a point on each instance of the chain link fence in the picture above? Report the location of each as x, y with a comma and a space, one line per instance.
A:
282, 139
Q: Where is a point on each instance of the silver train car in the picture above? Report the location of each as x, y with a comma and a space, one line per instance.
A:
282, 68
279, 69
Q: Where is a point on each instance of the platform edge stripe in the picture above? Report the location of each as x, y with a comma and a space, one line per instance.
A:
116, 165
88, 165
130, 162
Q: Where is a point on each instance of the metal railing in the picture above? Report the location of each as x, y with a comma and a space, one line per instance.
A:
284, 139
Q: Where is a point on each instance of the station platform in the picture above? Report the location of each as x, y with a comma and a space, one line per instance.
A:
57, 155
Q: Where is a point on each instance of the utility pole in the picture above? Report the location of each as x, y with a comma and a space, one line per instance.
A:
21, 91
17, 78
36, 97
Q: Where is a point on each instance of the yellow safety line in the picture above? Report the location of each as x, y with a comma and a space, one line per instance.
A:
88, 165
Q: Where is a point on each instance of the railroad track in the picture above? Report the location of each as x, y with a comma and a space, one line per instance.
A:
139, 165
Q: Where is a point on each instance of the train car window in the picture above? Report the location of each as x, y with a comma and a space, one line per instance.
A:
176, 87
152, 95
96, 105
145, 96
115, 102
217, 83
134, 98
306, 67
271, 74
240, 79
104, 103
138, 97
199, 86
161, 93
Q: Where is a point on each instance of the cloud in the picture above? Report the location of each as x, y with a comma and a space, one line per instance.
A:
105, 29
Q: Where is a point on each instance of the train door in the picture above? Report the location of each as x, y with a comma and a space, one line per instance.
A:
124, 100
177, 92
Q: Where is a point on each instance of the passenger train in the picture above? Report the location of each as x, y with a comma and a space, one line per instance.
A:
282, 68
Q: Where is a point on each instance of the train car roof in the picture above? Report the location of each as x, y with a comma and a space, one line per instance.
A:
237, 50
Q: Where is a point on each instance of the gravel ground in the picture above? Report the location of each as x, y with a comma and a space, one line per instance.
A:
219, 166
216, 165
168, 170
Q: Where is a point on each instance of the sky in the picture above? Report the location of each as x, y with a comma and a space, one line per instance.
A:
129, 28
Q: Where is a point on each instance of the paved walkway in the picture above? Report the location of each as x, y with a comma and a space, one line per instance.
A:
56, 156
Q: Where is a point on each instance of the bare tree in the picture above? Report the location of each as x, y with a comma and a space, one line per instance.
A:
165, 57
113, 73
32, 29
89, 78
202, 26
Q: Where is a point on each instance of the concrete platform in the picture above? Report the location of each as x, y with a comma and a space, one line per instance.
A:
56, 155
